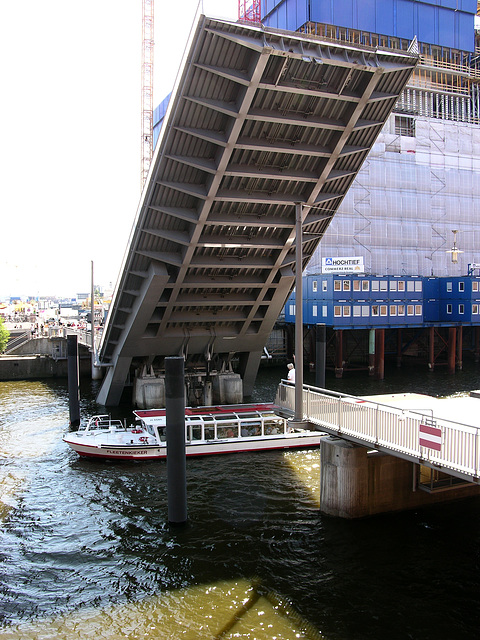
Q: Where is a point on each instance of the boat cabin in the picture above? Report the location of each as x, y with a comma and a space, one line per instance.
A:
217, 425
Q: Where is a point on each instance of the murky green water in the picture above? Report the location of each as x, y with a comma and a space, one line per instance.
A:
86, 549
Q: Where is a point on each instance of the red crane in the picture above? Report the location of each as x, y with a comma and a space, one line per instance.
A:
250, 10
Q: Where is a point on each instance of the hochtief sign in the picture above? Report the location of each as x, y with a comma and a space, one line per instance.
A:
343, 265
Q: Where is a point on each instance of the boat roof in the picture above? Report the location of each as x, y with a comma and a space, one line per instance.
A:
153, 415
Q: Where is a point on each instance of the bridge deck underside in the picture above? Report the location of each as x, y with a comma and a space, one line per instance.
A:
259, 120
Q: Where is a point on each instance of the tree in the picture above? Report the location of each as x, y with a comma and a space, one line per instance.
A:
4, 336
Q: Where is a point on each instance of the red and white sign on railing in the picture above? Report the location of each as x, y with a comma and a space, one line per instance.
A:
430, 436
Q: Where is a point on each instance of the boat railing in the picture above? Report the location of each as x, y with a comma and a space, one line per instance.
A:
103, 423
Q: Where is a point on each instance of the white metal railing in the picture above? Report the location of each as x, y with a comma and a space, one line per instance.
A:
388, 428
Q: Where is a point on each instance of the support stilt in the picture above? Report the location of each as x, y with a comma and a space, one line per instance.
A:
380, 354
452, 338
339, 353
431, 348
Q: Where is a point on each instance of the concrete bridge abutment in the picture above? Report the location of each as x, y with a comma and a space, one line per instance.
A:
356, 482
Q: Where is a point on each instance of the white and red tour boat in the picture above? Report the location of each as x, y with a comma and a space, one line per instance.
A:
208, 430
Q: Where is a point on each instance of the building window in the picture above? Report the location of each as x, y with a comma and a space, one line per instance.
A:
461, 286
365, 285
474, 309
383, 310
292, 309
401, 309
461, 309
356, 285
409, 309
393, 285
401, 285
383, 285
474, 286
365, 312
418, 309
314, 310
346, 285
410, 285
337, 311
346, 312
449, 308
357, 310
375, 310
324, 310
393, 309
418, 285
374, 285
404, 126
314, 286
449, 287
324, 285
337, 285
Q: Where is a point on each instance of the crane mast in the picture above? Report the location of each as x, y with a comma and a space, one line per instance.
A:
250, 11
147, 88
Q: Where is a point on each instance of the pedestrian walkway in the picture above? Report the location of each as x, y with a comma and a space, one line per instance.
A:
440, 433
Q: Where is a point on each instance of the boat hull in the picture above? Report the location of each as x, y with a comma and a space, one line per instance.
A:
155, 452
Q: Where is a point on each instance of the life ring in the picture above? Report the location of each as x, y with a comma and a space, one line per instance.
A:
143, 439
137, 431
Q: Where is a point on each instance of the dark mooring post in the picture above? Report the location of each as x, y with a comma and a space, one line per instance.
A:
320, 350
176, 464
73, 386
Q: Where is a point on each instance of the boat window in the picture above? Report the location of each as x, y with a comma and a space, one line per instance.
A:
149, 429
273, 426
225, 418
230, 431
252, 428
209, 432
195, 432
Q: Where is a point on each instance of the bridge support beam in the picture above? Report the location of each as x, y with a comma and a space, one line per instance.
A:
356, 482
249, 363
114, 383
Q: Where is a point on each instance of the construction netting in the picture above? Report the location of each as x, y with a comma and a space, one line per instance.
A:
420, 182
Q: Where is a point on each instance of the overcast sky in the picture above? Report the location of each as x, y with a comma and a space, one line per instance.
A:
70, 133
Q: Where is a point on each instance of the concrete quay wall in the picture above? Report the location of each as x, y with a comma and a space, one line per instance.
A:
356, 482
38, 366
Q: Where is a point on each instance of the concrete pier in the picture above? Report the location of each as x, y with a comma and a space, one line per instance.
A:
356, 482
